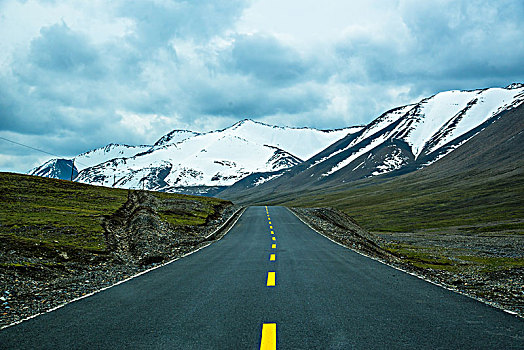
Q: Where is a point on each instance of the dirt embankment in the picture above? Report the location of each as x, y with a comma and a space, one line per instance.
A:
345, 230
136, 234
445, 260
36, 278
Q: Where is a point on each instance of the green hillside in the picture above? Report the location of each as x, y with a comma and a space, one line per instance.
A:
58, 214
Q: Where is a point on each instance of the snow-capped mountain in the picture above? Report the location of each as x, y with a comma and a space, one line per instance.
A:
252, 154
103, 154
403, 139
219, 158
57, 169
64, 168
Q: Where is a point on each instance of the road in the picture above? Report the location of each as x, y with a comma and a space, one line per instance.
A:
324, 297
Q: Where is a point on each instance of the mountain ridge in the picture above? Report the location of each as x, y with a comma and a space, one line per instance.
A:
184, 158
249, 153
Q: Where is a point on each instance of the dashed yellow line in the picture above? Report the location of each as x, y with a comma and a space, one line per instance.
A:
268, 340
271, 276
269, 336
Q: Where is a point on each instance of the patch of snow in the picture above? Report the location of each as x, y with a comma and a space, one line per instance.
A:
376, 126
103, 154
488, 104
358, 166
262, 180
392, 161
374, 143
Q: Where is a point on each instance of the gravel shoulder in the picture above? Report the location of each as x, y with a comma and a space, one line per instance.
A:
487, 267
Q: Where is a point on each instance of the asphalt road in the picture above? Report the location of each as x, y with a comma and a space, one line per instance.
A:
325, 297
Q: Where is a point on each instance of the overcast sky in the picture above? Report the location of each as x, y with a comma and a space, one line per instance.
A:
76, 75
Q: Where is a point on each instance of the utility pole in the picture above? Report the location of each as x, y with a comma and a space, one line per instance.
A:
72, 169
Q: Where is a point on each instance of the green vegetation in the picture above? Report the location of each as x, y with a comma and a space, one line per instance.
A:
195, 213
408, 203
423, 257
450, 259
62, 214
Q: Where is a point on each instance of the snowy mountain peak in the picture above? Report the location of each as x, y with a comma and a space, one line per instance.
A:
407, 137
515, 86
175, 136
56, 168
427, 130
111, 151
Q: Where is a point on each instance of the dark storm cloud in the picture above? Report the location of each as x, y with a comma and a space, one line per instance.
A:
61, 50
256, 103
268, 60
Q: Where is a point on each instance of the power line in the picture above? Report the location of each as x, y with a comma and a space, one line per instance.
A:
37, 149
33, 148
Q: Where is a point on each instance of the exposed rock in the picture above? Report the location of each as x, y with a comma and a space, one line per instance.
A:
136, 234
343, 229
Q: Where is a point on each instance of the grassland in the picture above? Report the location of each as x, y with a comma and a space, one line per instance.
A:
62, 214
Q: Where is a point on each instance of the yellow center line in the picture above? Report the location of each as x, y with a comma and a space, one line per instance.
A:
269, 336
272, 232
274, 246
273, 238
272, 257
271, 278
270, 222
271, 227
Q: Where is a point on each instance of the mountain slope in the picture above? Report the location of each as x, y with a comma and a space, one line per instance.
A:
401, 140
62, 169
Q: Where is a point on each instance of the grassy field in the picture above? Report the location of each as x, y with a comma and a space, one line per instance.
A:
406, 206
63, 214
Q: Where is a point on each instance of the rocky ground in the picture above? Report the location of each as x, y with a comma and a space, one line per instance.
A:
484, 266
35, 278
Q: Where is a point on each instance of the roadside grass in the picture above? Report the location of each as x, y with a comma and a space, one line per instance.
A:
452, 260
195, 211
423, 257
58, 214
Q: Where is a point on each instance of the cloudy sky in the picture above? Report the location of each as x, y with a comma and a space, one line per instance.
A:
76, 75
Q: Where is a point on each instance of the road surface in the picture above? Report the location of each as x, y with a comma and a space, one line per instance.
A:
248, 290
